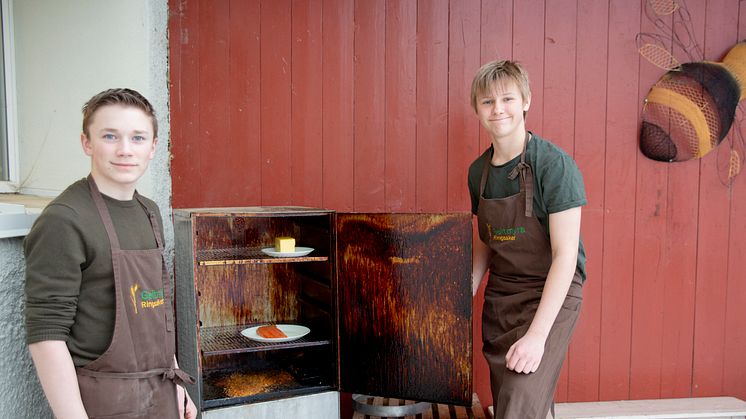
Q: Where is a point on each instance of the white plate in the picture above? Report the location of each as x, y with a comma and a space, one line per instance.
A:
299, 251
293, 331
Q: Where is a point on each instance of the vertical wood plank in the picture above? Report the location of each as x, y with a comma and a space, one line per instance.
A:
677, 272
496, 40
463, 126
589, 151
401, 118
619, 201
243, 86
337, 91
558, 102
734, 363
275, 101
560, 46
650, 256
648, 286
735, 317
369, 82
432, 105
680, 269
528, 49
496, 29
185, 103
213, 104
178, 34
306, 104
713, 227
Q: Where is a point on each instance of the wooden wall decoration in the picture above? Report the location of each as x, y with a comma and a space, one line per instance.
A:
364, 106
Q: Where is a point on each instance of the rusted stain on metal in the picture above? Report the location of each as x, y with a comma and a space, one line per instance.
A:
242, 231
244, 294
405, 305
409, 260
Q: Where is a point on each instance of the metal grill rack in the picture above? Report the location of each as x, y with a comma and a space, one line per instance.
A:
223, 340
244, 255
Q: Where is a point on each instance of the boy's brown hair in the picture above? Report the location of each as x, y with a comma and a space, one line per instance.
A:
499, 72
119, 96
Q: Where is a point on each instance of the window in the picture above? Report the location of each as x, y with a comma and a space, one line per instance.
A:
8, 139
4, 175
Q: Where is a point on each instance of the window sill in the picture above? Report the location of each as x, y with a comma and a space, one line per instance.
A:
18, 213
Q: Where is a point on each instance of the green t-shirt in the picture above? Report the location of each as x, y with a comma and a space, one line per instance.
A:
558, 183
69, 274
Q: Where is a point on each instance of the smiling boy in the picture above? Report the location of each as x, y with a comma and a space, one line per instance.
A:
92, 259
526, 196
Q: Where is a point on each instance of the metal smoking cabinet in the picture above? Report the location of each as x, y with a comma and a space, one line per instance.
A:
387, 298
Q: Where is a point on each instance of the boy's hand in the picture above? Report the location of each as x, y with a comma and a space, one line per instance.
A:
187, 409
524, 356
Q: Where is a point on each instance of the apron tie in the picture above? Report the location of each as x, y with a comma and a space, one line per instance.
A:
524, 169
519, 168
178, 376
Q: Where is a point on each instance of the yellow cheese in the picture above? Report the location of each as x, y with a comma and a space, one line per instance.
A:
284, 244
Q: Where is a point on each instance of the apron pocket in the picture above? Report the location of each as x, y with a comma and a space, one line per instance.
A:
574, 298
112, 398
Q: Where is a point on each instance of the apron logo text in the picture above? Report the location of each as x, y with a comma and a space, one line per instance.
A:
504, 234
148, 298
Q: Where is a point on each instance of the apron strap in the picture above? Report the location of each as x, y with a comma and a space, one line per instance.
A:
104, 213
176, 375
485, 172
524, 169
527, 178
154, 223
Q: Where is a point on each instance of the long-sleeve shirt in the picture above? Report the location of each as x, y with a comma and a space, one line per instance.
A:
69, 273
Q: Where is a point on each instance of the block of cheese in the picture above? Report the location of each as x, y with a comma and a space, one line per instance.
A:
284, 244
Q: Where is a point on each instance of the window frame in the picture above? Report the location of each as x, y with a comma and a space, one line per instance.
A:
11, 143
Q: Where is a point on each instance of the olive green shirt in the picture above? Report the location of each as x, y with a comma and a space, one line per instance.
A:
69, 274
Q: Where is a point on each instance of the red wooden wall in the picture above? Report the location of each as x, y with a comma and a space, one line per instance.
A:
364, 106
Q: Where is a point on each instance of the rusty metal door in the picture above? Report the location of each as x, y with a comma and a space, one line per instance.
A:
404, 302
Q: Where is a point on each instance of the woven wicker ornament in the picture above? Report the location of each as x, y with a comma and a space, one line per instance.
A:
689, 111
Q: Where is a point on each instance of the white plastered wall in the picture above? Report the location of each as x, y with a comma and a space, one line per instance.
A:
65, 52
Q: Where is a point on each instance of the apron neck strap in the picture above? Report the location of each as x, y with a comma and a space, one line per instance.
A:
522, 168
527, 178
153, 220
104, 213
485, 171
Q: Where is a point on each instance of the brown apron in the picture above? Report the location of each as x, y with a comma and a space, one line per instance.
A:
135, 377
520, 261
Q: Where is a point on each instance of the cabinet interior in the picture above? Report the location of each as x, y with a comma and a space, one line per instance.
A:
237, 286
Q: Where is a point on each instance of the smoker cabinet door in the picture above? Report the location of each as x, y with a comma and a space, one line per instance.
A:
405, 305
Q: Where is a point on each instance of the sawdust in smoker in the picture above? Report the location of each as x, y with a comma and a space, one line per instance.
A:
247, 384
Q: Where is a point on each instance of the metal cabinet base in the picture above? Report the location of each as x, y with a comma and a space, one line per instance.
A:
313, 406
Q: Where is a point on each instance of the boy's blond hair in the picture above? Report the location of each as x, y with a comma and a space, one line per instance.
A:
497, 72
